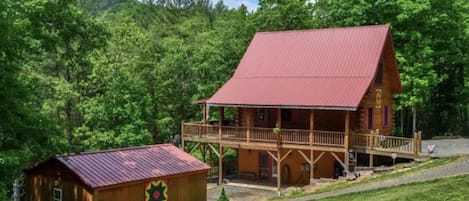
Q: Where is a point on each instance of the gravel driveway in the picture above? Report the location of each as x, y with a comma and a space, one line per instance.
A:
448, 147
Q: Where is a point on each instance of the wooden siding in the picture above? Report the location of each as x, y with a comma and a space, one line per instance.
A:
40, 183
181, 187
324, 168
387, 99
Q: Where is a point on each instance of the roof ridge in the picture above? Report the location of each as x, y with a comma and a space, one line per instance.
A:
325, 29
112, 150
297, 77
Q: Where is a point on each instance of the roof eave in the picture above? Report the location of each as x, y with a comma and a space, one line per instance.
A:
315, 107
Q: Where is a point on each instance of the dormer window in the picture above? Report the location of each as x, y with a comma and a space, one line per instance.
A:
379, 74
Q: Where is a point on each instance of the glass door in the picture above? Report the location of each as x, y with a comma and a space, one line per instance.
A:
265, 170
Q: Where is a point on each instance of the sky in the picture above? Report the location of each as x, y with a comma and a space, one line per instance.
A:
251, 4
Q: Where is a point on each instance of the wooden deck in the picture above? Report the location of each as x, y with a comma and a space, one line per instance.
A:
265, 139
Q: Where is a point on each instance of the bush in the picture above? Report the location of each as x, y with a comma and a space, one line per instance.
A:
223, 196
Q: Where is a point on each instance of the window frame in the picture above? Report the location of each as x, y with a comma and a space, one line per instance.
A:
59, 190
370, 121
386, 115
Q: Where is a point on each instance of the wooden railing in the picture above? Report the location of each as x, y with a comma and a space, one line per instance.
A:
372, 141
288, 136
262, 135
334, 138
199, 130
386, 143
295, 136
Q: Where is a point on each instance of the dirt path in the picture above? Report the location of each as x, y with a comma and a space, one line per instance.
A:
452, 169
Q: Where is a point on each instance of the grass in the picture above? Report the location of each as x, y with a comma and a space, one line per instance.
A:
388, 175
453, 188
377, 177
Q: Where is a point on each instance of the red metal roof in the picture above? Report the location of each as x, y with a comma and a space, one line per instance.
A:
324, 68
104, 168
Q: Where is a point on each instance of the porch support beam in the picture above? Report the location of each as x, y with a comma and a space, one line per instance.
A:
311, 166
338, 159
221, 111
204, 114
311, 127
220, 154
346, 141
220, 164
182, 135
216, 152
304, 156
279, 172
249, 118
279, 118
195, 147
319, 157
284, 156
272, 155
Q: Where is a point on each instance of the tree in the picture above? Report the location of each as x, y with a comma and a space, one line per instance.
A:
274, 15
114, 102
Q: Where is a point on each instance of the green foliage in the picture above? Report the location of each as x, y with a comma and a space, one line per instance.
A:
79, 75
223, 196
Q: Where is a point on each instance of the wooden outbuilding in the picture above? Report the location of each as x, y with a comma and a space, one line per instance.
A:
156, 172
305, 102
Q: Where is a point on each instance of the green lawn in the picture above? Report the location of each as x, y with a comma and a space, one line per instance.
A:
388, 175
376, 178
454, 188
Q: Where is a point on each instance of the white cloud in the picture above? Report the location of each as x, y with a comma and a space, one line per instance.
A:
250, 4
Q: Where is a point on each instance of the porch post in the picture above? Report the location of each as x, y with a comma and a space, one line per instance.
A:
248, 124
182, 135
204, 114
311, 127
220, 164
279, 118
311, 166
210, 153
279, 166
220, 121
346, 141
311, 142
279, 177
370, 147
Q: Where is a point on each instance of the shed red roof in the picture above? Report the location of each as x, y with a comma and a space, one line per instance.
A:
324, 68
105, 168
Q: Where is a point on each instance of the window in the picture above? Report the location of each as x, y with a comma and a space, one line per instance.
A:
379, 74
385, 116
57, 194
286, 115
260, 114
370, 118
274, 168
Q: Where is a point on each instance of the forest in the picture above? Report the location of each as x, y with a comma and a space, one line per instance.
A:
79, 75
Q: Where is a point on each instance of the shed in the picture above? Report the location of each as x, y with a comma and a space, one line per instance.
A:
155, 172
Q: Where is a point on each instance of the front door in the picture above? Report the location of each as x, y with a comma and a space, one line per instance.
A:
265, 167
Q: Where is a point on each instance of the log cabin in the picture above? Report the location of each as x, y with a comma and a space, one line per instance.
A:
304, 101
156, 172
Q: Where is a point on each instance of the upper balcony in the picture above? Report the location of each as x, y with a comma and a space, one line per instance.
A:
255, 137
